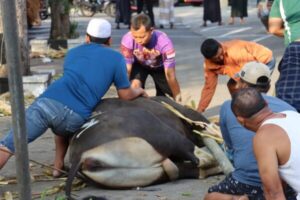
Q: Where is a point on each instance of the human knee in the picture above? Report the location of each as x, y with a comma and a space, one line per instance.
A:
210, 196
5, 154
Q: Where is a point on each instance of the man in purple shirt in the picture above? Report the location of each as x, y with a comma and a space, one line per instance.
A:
150, 52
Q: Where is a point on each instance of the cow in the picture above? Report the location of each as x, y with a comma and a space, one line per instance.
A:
135, 143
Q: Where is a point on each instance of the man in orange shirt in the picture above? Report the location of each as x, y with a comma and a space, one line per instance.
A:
227, 58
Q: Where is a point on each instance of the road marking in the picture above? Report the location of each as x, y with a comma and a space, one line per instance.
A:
187, 51
261, 38
190, 57
235, 31
208, 29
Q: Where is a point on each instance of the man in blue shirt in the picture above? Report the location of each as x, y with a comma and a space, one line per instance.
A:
244, 182
89, 70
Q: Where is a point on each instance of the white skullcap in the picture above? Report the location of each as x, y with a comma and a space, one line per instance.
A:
99, 28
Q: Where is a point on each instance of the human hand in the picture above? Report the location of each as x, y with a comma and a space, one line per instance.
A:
201, 110
144, 93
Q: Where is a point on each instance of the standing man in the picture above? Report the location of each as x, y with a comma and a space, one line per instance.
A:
150, 52
284, 20
166, 13
227, 58
238, 9
245, 180
263, 11
89, 71
149, 7
276, 142
123, 13
212, 12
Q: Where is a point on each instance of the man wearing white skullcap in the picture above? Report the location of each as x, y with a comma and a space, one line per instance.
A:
89, 70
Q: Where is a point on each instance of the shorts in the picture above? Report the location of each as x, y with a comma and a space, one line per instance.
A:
231, 186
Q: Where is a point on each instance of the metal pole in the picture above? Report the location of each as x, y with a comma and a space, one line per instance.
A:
10, 32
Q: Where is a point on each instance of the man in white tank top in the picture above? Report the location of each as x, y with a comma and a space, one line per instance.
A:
276, 143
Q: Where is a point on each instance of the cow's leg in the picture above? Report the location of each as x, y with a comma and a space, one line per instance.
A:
203, 173
189, 170
209, 143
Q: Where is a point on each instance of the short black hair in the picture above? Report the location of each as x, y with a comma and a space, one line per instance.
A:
209, 48
247, 102
141, 20
98, 40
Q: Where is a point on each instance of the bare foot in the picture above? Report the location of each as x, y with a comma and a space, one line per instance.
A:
242, 21
231, 21
59, 169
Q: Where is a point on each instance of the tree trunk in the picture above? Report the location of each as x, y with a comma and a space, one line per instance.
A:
23, 39
3, 70
23, 35
60, 23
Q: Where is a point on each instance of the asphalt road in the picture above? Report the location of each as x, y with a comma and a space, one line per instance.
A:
187, 37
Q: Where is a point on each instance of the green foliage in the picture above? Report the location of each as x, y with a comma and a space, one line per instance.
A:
73, 30
186, 194
61, 198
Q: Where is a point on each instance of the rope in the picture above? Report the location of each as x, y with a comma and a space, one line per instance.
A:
211, 128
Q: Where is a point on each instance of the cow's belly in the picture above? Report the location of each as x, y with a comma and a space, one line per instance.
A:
127, 162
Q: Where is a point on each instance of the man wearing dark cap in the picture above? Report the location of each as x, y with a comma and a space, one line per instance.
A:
89, 70
227, 58
245, 180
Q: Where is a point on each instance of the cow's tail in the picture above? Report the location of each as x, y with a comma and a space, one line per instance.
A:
75, 166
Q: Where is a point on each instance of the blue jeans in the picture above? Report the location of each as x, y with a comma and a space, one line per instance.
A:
46, 113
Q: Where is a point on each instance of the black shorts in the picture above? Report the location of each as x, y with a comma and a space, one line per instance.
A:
141, 73
231, 186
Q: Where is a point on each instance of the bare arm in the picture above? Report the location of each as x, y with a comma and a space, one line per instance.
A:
266, 156
276, 26
208, 91
131, 93
173, 83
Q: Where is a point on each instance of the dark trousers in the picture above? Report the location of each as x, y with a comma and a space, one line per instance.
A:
141, 73
149, 7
